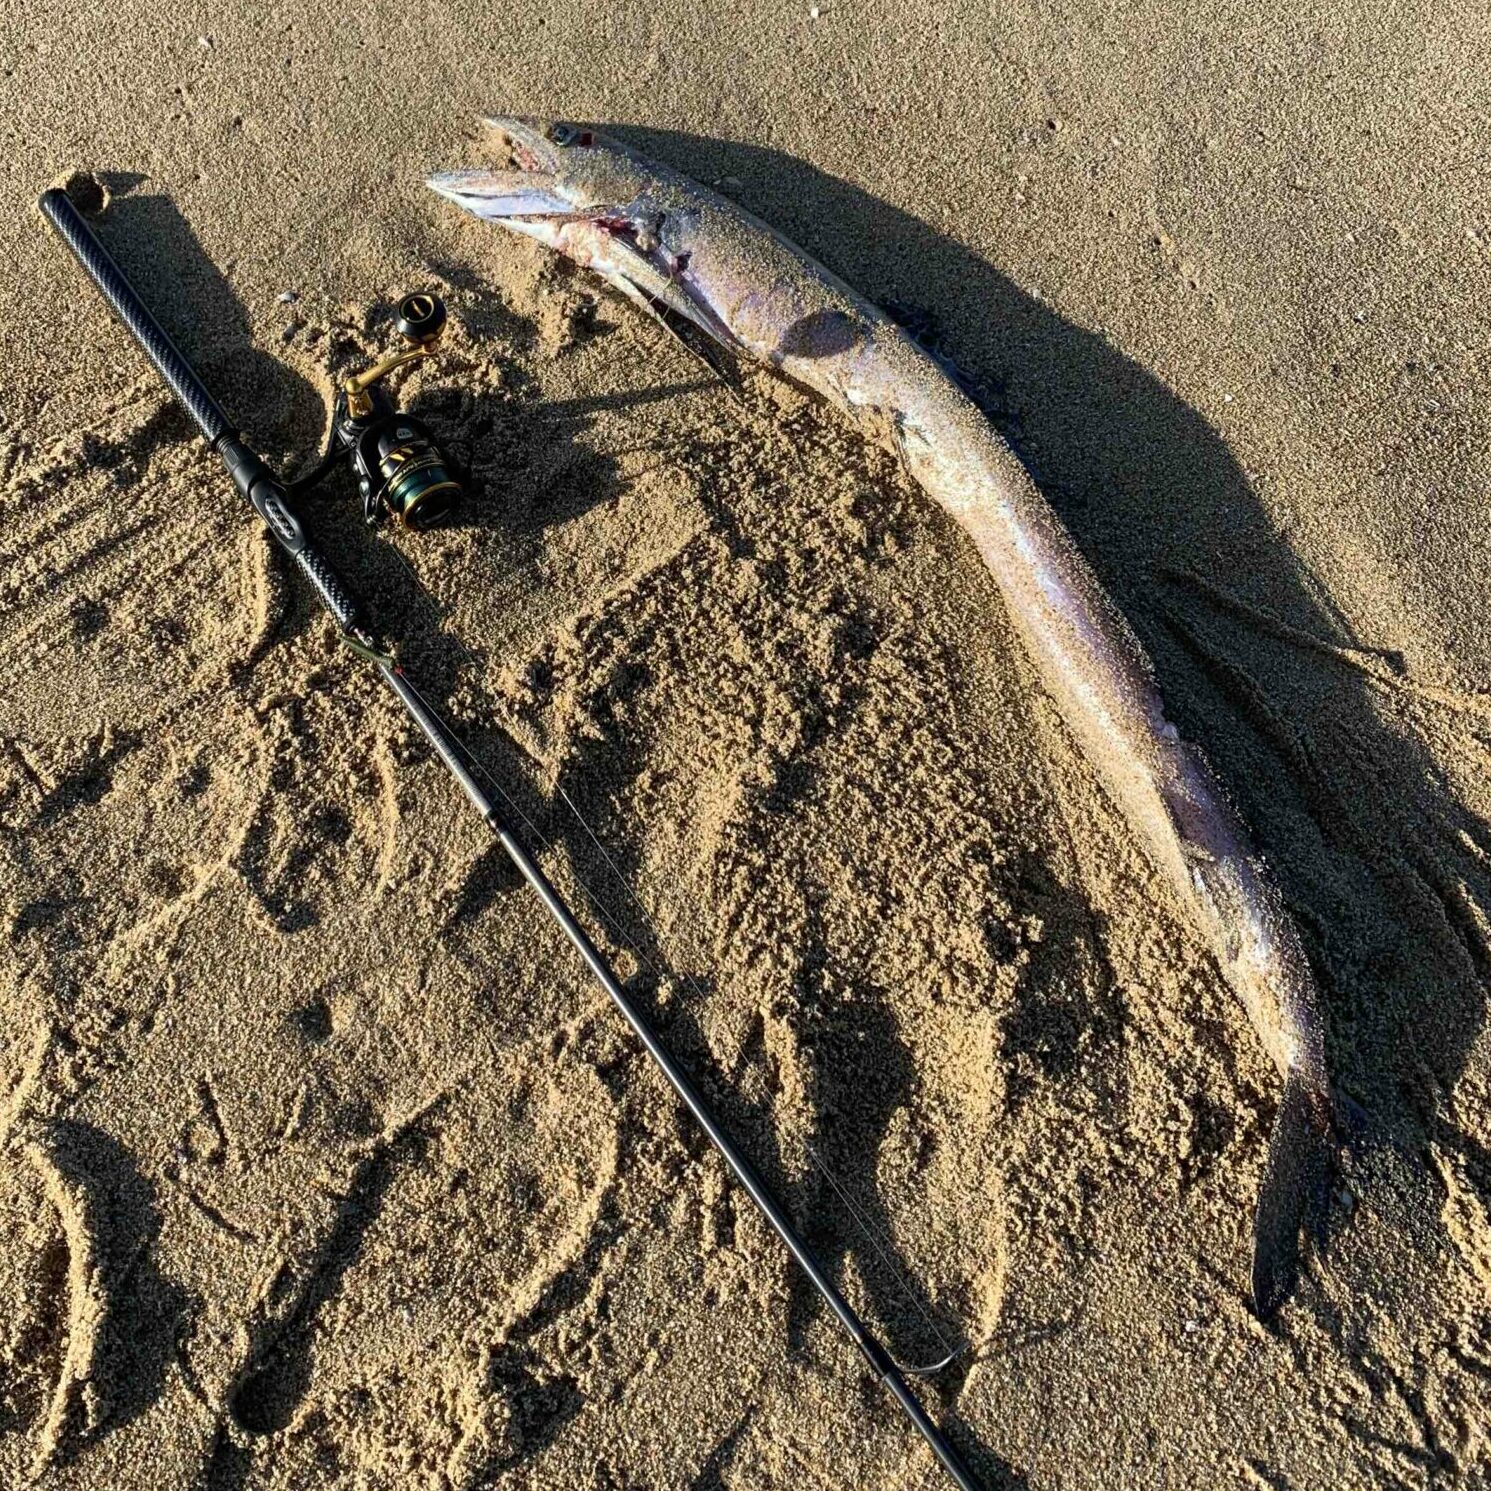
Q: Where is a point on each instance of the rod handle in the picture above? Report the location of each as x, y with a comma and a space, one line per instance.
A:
269, 498
328, 585
58, 209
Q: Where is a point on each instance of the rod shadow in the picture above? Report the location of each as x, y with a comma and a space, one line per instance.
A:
1383, 866
283, 415
280, 412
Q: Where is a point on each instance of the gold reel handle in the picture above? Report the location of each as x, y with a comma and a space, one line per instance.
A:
421, 320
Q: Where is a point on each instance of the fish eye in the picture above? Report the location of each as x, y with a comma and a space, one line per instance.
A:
560, 134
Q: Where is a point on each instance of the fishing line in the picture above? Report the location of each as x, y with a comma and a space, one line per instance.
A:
437, 606
475, 762
878, 1238
754, 1077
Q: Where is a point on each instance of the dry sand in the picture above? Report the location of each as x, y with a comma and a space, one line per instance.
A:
323, 1165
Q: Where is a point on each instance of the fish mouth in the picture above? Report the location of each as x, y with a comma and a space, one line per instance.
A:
535, 173
527, 181
539, 183
512, 196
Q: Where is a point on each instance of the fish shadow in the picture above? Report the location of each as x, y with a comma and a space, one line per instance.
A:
1255, 661
1390, 887
1383, 865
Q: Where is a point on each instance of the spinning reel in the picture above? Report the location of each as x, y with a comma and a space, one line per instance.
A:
398, 466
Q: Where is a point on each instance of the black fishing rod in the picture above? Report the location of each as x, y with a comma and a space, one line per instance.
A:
399, 468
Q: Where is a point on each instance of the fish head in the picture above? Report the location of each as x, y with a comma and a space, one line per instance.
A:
544, 169
602, 205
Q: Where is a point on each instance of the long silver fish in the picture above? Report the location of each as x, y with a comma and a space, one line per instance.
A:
720, 277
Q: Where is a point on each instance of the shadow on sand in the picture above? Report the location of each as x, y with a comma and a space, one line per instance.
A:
1382, 864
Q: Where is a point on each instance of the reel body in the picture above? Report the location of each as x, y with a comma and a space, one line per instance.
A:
399, 468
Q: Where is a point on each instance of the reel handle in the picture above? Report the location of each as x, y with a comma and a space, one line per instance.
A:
421, 318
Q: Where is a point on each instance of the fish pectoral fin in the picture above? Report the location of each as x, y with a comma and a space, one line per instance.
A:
688, 334
908, 440
680, 325
1296, 1182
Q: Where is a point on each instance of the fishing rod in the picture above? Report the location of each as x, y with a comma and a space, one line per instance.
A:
401, 471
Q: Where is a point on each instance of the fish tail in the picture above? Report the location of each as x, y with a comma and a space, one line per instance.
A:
1296, 1188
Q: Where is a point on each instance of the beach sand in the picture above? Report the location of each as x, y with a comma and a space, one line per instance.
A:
321, 1161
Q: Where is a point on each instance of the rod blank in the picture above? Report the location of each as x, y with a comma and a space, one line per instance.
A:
268, 497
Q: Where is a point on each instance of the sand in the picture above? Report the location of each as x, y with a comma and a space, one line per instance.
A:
321, 1162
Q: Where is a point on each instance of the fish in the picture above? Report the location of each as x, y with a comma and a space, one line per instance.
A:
724, 282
